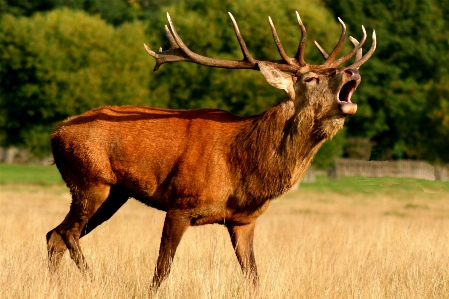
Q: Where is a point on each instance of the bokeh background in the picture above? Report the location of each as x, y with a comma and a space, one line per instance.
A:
60, 58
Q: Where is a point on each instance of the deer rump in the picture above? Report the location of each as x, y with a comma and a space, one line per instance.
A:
202, 166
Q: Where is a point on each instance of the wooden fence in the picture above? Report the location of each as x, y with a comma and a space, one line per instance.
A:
400, 169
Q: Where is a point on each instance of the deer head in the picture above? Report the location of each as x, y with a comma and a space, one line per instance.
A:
326, 88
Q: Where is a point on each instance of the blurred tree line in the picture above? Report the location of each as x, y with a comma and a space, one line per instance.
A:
59, 58
404, 98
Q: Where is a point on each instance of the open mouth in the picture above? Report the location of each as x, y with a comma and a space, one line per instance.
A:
344, 98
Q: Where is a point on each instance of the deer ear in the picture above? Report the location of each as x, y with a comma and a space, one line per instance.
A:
277, 78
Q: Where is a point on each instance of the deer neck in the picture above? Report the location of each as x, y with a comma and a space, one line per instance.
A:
273, 151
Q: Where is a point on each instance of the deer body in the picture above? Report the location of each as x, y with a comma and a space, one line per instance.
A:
222, 161
200, 166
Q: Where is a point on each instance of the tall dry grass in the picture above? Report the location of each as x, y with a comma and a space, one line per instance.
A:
308, 244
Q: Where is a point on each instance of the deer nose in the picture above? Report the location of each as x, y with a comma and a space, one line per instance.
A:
353, 74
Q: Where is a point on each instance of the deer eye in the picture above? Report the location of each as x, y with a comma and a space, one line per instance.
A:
312, 79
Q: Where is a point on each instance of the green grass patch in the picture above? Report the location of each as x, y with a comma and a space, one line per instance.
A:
29, 174
384, 185
49, 175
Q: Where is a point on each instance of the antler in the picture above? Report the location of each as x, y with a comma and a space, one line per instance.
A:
178, 51
359, 57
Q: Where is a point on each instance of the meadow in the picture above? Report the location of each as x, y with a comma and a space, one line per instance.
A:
344, 238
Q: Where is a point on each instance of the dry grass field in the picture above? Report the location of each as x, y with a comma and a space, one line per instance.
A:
383, 239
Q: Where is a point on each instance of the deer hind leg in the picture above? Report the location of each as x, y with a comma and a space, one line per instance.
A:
84, 205
242, 237
175, 224
55, 248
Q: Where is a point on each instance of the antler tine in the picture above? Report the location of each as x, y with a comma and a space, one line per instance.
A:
171, 40
359, 54
335, 51
302, 44
368, 54
281, 50
155, 55
179, 41
246, 54
325, 55
352, 53
161, 59
171, 55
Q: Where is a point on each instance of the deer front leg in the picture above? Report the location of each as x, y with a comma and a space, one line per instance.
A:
176, 223
242, 237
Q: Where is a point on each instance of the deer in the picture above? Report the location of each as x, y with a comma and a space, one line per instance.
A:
203, 166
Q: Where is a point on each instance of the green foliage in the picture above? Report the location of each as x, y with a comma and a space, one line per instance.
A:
115, 12
412, 53
61, 64
434, 136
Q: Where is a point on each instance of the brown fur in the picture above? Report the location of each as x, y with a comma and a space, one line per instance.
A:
200, 166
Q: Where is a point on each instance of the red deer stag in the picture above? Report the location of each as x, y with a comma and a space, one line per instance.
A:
202, 166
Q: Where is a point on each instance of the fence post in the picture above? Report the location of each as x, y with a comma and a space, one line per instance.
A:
440, 173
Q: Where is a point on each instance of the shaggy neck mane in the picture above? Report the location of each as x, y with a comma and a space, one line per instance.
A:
275, 149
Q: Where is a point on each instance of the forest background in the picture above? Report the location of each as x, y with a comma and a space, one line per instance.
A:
59, 58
